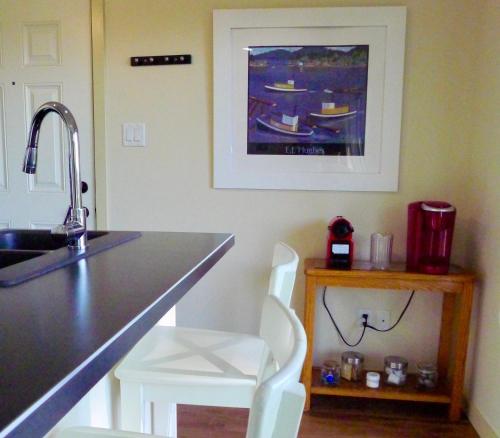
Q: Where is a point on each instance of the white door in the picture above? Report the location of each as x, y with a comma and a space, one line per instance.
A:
45, 54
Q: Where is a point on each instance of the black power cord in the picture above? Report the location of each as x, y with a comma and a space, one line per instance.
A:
337, 328
365, 322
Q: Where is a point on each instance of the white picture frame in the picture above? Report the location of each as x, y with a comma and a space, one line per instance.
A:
382, 29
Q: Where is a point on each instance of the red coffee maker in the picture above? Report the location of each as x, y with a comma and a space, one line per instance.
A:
430, 232
340, 247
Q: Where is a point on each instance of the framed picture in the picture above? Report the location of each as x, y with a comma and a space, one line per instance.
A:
308, 99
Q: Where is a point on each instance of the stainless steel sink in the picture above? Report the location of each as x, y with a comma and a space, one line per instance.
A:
27, 254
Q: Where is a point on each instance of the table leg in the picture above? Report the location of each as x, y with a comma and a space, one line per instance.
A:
464, 312
309, 311
445, 335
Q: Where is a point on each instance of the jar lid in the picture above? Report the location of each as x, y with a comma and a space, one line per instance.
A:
426, 368
396, 362
352, 357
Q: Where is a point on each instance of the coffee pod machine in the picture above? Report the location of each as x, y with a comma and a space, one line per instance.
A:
340, 247
429, 237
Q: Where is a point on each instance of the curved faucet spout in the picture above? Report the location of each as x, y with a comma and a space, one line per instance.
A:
75, 227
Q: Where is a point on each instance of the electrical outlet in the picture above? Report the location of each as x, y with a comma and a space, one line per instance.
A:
362, 312
383, 319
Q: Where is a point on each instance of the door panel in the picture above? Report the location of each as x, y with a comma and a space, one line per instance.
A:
41, 44
45, 54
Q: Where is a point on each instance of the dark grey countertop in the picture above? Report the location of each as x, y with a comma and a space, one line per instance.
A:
62, 332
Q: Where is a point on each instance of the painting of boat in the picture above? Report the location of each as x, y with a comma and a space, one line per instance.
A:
286, 125
288, 86
331, 110
307, 100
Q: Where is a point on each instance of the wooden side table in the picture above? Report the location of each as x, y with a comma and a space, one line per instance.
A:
457, 287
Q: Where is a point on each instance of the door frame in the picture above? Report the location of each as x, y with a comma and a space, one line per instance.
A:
99, 112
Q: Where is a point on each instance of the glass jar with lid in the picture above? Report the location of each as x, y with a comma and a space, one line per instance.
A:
427, 375
352, 366
396, 370
330, 373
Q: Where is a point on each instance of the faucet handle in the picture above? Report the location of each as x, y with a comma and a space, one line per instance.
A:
70, 229
74, 232
74, 227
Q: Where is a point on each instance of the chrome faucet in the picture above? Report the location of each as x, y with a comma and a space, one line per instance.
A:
74, 226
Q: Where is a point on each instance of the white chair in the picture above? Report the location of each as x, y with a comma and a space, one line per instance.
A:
200, 367
278, 402
283, 272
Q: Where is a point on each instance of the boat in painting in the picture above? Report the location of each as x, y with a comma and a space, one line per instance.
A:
288, 125
331, 110
288, 86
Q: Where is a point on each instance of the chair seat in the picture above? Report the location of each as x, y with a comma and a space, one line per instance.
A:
206, 360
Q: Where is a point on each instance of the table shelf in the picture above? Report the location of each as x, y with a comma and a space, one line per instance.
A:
457, 288
408, 392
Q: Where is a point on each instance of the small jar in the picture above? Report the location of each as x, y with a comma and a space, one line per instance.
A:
396, 369
352, 366
330, 373
372, 379
427, 376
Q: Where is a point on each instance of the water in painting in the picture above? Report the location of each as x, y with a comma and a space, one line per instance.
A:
307, 100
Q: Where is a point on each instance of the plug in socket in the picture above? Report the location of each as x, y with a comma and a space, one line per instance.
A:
362, 312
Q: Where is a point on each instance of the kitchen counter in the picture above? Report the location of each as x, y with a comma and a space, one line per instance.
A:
62, 332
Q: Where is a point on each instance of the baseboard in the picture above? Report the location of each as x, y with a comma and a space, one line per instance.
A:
483, 428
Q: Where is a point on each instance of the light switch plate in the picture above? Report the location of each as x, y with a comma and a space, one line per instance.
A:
134, 134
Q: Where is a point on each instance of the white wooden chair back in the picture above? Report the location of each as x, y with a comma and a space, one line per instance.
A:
284, 269
279, 400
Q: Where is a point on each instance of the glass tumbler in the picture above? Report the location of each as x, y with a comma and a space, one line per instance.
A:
381, 250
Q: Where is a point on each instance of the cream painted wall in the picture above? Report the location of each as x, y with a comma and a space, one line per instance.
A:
482, 245
167, 185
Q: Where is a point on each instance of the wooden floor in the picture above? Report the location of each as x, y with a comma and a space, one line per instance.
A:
331, 417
